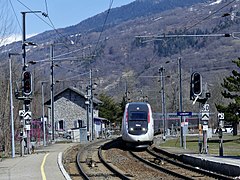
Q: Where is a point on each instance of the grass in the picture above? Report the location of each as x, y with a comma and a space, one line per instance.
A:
231, 144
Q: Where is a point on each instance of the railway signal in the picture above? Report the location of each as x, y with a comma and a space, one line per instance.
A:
27, 83
196, 84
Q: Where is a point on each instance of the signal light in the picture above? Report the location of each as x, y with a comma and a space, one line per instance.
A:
196, 82
27, 83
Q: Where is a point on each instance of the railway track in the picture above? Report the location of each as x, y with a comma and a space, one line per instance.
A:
110, 160
167, 167
123, 161
91, 164
173, 167
166, 157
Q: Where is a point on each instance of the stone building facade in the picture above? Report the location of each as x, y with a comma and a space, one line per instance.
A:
70, 110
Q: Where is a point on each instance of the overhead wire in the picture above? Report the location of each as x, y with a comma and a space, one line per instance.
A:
34, 13
72, 70
57, 57
104, 24
45, 15
10, 1
111, 2
51, 24
207, 17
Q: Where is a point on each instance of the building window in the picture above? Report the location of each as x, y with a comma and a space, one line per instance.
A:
61, 124
78, 123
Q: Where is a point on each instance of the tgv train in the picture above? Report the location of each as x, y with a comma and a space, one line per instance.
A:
137, 124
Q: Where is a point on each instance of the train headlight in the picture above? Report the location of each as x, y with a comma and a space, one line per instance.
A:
131, 129
143, 129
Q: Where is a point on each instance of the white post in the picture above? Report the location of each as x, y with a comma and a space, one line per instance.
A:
43, 119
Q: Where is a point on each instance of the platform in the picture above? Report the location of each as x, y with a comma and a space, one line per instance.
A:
227, 165
43, 164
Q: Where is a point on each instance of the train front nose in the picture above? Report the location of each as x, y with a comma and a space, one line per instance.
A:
138, 127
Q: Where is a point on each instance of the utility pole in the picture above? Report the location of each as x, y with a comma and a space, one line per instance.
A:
126, 92
88, 121
180, 99
52, 91
91, 104
23, 40
23, 69
25, 105
161, 72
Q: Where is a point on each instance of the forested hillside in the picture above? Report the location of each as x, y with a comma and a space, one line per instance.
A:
123, 62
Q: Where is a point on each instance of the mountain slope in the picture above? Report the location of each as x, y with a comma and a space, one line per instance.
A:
121, 61
136, 9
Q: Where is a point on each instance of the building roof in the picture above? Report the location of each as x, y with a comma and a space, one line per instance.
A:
79, 92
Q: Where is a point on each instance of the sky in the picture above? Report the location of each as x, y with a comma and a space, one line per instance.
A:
62, 13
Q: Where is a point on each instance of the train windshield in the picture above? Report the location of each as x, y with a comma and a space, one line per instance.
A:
139, 116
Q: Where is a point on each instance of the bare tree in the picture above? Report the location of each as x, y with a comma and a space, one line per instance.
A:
6, 21
6, 30
4, 113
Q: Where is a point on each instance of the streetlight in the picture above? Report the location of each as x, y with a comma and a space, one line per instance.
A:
11, 102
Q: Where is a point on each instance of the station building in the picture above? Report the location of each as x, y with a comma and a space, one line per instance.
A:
70, 110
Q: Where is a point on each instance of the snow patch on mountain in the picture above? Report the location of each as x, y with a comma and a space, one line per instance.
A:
216, 2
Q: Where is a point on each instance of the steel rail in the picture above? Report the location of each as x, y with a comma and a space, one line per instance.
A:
80, 169
79, 166
110, 167
100, 156
185, 166
165, 170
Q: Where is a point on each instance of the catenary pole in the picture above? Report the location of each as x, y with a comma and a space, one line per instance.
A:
161, 71
180, 98
52, 91
91, 104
